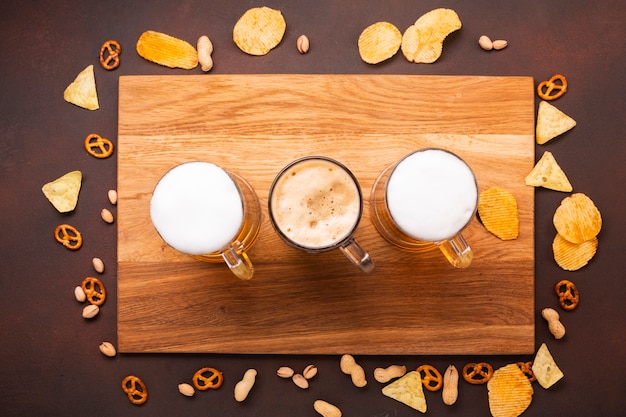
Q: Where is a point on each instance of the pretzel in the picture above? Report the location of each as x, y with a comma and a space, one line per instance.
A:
68, 236
477, 373
213, 380
526, 368
568, 294
98, 146
556, 83
135, 389
94, 290
432, 379
110, 55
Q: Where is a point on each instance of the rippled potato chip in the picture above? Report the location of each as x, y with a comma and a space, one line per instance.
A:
259, 30
63, 192
548, 174
422, 42
510, 392
379, 42
82, 91
577, 219
551, 122
408, 390
571, 256
167, 50
545, 369
497, 209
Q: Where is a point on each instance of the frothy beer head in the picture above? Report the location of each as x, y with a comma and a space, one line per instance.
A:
432, 195
315, 203
196, 208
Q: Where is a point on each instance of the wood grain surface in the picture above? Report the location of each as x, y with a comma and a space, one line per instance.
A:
321, 304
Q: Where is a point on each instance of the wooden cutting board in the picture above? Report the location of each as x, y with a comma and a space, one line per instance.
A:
321, 304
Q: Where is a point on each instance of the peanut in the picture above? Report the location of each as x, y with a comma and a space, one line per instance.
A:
186, 389
303, 44
450, 391
326, 409
387, 374
349, 367
300, 381
243, 387
285, 372
98, 265
499, 44
310, 371
79, 294
107, 216
205, 49
90, 311
112, 194
107, 349
485, 43
554, 325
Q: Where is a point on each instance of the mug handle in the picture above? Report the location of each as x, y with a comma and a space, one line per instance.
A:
238, 261
357, 255
457, 251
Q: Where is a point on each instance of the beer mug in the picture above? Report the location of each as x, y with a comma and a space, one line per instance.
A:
213, 215
424, 201
315, 205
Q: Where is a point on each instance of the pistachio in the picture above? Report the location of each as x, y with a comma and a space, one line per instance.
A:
309, 372
500, 44
285, 372
300, 381
186, 389
303, 44
90, 311
98, 265
107, 349
79, 293
112, 196
485, 43
106, 215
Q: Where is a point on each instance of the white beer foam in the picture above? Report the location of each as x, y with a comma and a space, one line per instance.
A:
196, 208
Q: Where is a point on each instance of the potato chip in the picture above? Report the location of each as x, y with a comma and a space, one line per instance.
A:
259, 30
577, 219
167, 50
379, 42
63, 192
82, 91
548, 174
408, 390
422, 42
497, 209
545, 369
510, 392
571, 256
551, 122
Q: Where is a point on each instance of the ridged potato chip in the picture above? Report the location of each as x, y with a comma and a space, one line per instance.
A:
510, 392
422, 42
571, 256
577, 219
167, 50
548, 174
259, 30
63, 192
379, 42
82, 91
408, 390
545, 369
497, 209
551, 122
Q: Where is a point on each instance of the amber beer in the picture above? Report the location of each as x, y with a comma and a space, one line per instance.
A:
202, 210
315, 204
424, 201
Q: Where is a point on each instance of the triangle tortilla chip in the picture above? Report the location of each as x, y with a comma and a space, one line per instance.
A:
548, 174
408, 390
82, 91
63, 192
551, 122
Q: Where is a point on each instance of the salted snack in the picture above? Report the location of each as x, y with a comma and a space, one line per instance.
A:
259, 30
568, 294
422, 42
207, 378
408, 390
431, 377
94, 291
68, 236
552, 88
110, 55
548, 174
82, 91
477, 373
527, 369
551, 122
545, 369
510, 392
97, 146
573, 256
349, 366
63, 192
167, 50
379, 42
135, 389
577, 219
497, 209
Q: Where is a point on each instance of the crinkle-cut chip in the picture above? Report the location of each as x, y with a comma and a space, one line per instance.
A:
545, 369
577, 219
379, 42
422, 42
510, 392
63, 192
497, 209
259, 30
167, 50
551, 122
82, 91
548, 174
571, 256
408, 390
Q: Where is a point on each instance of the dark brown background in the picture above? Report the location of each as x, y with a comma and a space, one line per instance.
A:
49, 358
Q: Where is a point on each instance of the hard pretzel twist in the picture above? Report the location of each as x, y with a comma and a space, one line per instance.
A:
98, 146
94, 290
431, 377
477, 373
526, 368
203, 382
68, 236
110, 55
567, 293
557, 84
135, 389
